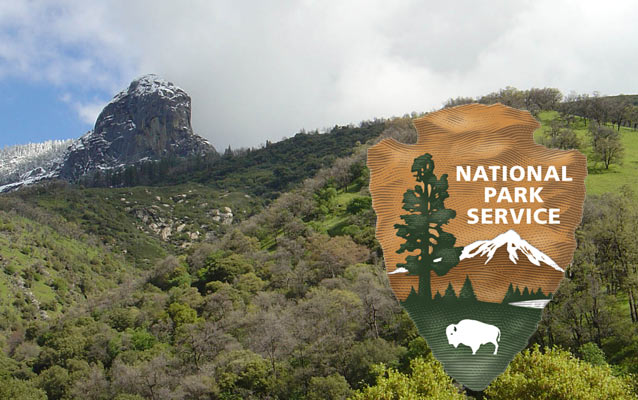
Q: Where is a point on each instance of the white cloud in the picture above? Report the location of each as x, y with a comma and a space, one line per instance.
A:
88, 112
263, 70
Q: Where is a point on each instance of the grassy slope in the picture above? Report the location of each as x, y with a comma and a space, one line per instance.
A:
61, 244
50, 267
110, 214
600, 180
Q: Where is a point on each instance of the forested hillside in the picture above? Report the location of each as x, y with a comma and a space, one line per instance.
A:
264, 171
257, 275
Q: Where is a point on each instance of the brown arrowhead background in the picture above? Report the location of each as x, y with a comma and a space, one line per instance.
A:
476, 135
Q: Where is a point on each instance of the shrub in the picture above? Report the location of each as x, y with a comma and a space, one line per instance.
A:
556, 375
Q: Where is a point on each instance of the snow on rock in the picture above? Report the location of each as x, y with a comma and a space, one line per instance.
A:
514, 244
148, 85
29, 163
149, 120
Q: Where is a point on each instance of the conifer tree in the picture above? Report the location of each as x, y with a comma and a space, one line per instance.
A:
467, 291
449, 293
423, 228
509, 295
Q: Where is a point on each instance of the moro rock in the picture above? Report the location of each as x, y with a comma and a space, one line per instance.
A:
149, 120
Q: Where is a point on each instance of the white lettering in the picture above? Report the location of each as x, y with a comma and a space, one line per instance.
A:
552, 173
501, 215
473, 217
504, 195
480, 174
465, 173
521, 173
535, 194
519, 194
489, 192
536, 173
517, 218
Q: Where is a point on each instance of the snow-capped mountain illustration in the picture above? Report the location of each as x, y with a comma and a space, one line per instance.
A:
514, 244
493, 265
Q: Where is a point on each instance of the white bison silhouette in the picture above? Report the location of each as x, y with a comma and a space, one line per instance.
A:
473, 334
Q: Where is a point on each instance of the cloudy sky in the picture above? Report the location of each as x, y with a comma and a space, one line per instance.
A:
264, 70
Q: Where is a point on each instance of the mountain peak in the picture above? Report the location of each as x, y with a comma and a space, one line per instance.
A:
514, 244
147, 85
148, 120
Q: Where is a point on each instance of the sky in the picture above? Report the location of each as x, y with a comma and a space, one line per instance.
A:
260, 71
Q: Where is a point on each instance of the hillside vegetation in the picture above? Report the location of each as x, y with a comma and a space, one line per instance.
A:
284, 296
600, 180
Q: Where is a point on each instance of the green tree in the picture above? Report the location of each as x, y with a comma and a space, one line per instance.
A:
55, 382
426, 381
606, 145
325, 199
126, 396
330, 387
359, 204
509, 295
223, 266
449, 293
467, 291
453, 102
592, 354
243, 374
141, 339
423, 228
17, 389
556, 374
181, 314
559, 136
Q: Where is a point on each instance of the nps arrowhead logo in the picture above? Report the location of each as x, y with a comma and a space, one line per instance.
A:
477, 223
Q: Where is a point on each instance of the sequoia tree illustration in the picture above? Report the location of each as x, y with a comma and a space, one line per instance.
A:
423, 229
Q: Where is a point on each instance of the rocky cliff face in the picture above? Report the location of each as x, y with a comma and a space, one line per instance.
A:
149, 120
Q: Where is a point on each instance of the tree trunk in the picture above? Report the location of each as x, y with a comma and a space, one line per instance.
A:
424, 285
374, 319
632, 306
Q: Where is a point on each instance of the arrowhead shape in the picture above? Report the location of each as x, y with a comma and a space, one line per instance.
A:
473, 281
